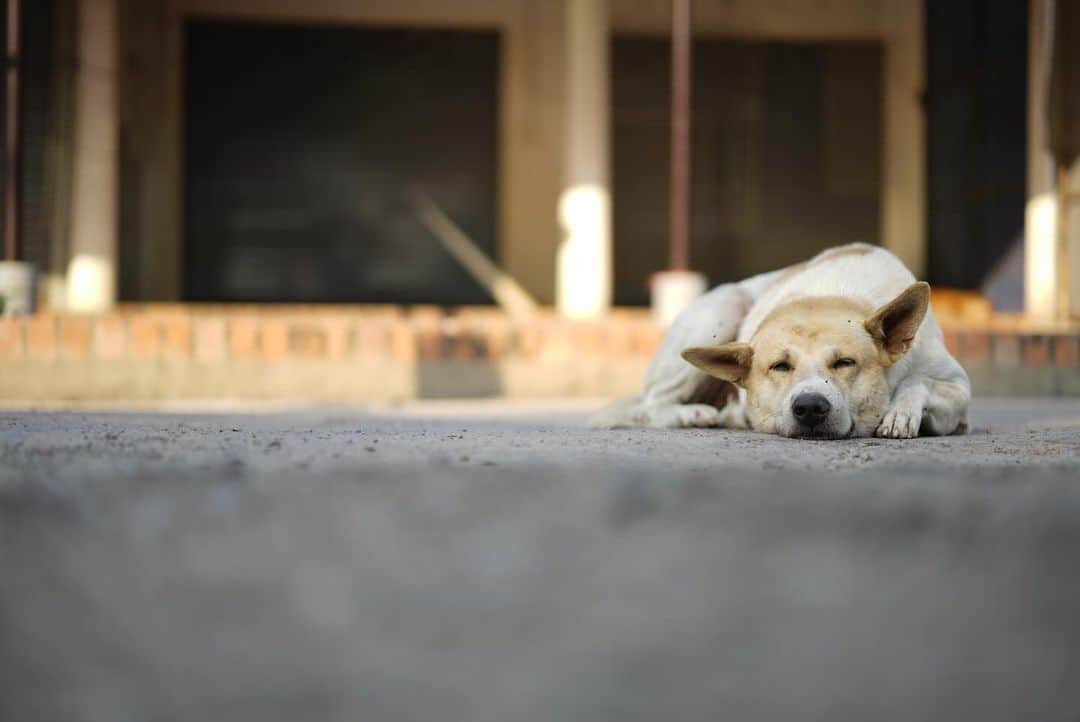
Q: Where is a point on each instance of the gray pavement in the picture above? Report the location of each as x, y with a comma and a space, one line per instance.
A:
504, 563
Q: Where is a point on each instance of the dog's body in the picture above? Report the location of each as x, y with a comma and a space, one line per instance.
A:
842, 345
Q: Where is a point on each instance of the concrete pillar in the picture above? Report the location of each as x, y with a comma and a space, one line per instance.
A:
903, 203
1042, 275
91, 274
583, 285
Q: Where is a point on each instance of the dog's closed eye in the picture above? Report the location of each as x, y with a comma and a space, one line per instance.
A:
842, 363
781, 367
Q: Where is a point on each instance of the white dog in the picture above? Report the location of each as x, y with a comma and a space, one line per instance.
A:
843, 345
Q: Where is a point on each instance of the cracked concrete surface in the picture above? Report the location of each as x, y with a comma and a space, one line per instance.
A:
476, 564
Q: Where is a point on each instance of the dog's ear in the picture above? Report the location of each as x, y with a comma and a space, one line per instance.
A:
894, 325
730, 362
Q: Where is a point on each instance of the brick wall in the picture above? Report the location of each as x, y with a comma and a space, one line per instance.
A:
355, 354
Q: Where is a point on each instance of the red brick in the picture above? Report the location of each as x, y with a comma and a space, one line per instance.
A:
275, 339
1036, 350
11, 337
308, 340
975, 347
41, 336
145, 337
110, 337
1067, 351
75, 337
244, 337
1007, 350
176, 337
210, 339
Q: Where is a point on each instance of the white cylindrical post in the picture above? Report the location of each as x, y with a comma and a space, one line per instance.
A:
91, 276
584, 260
1041, 273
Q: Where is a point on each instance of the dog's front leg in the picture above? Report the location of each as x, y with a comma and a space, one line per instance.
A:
904, 417
931, 406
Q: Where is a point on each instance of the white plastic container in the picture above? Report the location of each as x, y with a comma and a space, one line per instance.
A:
672, 291
18, 288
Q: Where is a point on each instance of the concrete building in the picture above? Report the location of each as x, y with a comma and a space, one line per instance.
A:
259, 150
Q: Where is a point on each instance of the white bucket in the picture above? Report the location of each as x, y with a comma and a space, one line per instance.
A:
18, 288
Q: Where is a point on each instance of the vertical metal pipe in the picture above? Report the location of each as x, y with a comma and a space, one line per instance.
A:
12, 151
680, 134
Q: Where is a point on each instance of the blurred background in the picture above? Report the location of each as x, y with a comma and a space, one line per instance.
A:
334, 200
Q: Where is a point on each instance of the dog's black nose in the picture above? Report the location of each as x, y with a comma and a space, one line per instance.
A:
810, 409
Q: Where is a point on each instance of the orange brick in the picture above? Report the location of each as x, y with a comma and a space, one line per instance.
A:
1067, 351
588, 337
41, 336
338, 337
952, 343
1036, 350
1007, 350
619, 338
176, 337
110, 337
403, 343
210, 339
275, 339
975, 347
430, 344
649, 338
498, 336
370, 339
244, 337
11, 338
75, 337
145, 337
307, 340
528, 338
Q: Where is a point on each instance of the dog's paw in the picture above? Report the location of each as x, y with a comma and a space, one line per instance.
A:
700, 416
900, 423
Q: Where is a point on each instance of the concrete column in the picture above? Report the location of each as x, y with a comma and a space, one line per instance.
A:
1041, 273
903, 202
91, 274
583, 285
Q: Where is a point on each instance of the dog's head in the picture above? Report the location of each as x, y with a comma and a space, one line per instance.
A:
816, 366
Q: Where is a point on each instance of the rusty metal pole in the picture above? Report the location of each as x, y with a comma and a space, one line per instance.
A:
680, 135
12, 151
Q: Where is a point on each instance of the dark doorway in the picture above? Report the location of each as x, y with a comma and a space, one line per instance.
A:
786, 154
302, 143
977, 136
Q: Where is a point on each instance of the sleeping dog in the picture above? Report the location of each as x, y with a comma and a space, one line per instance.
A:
840, 346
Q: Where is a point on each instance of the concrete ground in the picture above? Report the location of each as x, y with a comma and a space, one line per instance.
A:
471, 562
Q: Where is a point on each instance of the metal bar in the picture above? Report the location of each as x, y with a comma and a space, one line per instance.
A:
508, 294
12, 151
680, 134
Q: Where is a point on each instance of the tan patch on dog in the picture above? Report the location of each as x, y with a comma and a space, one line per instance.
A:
811, 336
